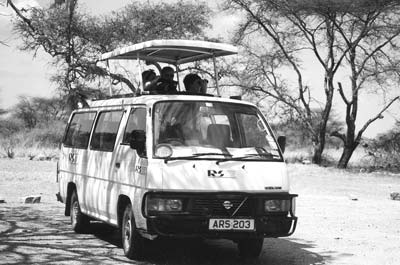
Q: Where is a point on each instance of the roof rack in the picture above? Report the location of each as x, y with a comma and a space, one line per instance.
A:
173, 52
129, 95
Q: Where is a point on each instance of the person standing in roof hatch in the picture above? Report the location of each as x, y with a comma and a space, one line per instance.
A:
149, 79
194, 84
166, 83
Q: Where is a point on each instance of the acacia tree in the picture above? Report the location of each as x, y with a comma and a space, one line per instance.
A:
345, 38
75, 39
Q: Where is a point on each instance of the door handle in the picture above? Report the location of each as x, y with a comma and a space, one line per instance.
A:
117, 165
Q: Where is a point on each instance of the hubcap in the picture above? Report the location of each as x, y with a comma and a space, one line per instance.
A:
75, 212
127, 232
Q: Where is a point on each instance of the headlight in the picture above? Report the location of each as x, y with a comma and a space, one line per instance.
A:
163, 205
163, 151
276, 205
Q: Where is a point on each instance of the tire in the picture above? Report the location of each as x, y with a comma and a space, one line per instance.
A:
250, 247
79, 221
132, 242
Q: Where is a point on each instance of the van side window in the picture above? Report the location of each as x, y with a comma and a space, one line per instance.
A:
106, 129
136, 121
78, 132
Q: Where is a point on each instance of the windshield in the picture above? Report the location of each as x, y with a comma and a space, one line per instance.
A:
212, 130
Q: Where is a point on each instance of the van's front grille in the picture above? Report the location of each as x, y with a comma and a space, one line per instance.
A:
223, 207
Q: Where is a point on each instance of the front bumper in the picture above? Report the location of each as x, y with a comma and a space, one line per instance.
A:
201, 207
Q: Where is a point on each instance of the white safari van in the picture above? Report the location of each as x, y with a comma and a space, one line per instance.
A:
176, 165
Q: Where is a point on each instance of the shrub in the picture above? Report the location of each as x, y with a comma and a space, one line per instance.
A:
384, 151
8, 140
297, 156
48, 136
43, 140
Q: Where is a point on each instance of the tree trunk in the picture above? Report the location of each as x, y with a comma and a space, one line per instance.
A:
346, 155
319, 139
317, 153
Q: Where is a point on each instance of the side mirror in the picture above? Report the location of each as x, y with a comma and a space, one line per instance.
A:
282, 143
138, 141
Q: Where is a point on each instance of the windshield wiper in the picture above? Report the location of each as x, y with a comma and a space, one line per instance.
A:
267, 155
209, 154
225, 154
258, 154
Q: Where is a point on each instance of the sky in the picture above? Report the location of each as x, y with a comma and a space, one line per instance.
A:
22, 74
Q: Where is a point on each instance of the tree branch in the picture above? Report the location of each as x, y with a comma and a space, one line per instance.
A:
341, 92
339, 135
377, 49
19, 14
377, 116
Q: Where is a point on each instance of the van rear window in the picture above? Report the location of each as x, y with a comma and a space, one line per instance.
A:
78, 131
105, 132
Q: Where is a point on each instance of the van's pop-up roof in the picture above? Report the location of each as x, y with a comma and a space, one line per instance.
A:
174, 52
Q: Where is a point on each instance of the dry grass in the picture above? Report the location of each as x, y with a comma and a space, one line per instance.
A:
38, 153
35, 152
331, 156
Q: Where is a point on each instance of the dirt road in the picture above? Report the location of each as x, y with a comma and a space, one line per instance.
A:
344, 218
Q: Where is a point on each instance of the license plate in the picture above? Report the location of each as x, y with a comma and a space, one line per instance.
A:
231, 224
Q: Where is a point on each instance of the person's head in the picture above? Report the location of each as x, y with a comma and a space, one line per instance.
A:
194, 84
148, 75
167, 73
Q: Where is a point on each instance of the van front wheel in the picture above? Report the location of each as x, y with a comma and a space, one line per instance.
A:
79, 221
250, 247
132, 241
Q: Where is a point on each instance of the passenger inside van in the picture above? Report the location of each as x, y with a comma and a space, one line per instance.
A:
182, 125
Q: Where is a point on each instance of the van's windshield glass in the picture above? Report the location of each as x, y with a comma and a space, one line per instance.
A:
212, 130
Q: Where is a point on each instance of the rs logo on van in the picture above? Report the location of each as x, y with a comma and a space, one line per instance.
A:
141, 169
215, 173
73, 157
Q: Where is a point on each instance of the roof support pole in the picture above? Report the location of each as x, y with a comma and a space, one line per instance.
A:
177, 76
141, 83
108, 70
216, 76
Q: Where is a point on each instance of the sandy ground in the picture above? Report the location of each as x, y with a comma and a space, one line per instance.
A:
344, 218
